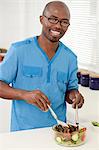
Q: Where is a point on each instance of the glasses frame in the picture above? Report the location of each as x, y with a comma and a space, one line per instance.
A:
57, 20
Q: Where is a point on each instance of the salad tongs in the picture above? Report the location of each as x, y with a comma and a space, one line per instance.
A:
56, 118
76, 117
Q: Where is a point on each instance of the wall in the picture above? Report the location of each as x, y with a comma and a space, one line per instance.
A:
5, 111
11, 22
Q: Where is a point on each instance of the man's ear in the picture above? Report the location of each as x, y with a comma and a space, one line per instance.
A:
41, 19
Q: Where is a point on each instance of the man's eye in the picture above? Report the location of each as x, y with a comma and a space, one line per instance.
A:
65, 22
53, 19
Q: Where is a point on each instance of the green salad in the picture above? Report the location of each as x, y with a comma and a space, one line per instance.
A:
69, 136
95, 123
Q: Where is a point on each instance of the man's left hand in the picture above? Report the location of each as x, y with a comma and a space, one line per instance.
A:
74, 97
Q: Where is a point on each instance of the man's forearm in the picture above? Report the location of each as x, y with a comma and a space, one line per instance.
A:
8, 92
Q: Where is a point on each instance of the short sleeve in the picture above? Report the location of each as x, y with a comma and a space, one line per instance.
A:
73, 80
8, 67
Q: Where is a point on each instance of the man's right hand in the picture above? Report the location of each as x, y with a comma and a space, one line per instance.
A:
37, 98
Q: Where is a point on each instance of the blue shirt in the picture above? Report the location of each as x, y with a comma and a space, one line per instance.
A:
27, 67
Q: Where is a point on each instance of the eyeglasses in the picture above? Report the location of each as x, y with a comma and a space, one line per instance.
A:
53, 20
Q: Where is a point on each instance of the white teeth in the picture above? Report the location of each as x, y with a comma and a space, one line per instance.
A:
55, 32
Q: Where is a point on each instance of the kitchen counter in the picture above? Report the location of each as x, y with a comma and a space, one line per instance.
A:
43, 138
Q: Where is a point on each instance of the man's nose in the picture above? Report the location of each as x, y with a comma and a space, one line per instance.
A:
58, 25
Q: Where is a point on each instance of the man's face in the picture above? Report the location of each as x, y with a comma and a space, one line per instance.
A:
55, 23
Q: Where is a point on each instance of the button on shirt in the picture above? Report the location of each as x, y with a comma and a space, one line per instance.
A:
26, 66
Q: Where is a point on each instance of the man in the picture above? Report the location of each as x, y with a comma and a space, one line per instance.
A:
42, 71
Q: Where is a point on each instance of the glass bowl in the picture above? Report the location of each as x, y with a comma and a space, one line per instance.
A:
71, 136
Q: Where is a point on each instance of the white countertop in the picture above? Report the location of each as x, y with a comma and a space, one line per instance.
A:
41, 139
44, 139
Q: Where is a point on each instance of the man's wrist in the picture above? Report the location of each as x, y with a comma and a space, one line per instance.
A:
20, 94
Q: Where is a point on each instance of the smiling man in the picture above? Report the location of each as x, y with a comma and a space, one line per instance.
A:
42, 71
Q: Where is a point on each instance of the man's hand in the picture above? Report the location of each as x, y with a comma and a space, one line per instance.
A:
37, 98
74, 97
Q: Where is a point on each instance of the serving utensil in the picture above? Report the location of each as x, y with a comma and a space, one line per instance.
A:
76, 117
76, 111
56, 118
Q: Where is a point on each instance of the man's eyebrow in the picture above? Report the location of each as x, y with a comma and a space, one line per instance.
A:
59, 18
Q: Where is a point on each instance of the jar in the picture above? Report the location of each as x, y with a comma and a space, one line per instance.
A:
94, 81
2, 53
78, 76
84, 79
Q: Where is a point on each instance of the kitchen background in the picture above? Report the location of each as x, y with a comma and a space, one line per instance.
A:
19, 19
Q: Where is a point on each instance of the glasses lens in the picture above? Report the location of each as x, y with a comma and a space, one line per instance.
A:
53, 20
64, 23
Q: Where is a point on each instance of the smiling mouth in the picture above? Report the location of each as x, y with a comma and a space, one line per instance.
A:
55, 33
